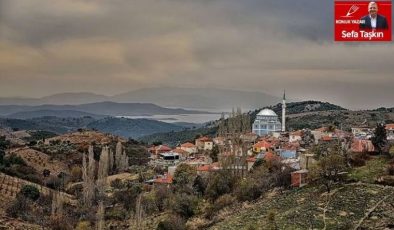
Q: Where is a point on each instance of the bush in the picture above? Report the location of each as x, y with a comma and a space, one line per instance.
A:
390, 170
30, 192
116, 214
248, 190
184, 205
358, 159
219, 183
173, 222
19, 207
220, 203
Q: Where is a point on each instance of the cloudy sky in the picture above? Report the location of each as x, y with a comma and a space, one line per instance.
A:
109, 47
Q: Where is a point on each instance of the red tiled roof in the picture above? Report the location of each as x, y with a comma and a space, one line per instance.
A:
166, 179
297, 133
207, 168
163, 148
390, 126
269, 156
359, 146
188, 145
251, 159
181, 151
262, 144
326, 138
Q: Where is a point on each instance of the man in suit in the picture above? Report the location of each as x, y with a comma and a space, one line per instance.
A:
374, 20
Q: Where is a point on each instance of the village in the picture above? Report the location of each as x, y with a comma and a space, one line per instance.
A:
268, 141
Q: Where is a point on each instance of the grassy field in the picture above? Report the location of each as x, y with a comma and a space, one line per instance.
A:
373, 168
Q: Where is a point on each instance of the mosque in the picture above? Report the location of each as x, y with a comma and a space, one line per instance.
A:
267, 121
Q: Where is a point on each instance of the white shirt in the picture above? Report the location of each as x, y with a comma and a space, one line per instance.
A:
373, 22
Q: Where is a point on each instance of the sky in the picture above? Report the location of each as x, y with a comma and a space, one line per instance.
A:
110, 47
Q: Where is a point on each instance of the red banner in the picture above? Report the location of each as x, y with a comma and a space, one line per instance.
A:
362, 21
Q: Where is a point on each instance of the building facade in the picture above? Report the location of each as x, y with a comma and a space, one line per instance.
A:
266, 122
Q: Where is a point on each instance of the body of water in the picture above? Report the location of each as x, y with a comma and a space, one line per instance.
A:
190, 118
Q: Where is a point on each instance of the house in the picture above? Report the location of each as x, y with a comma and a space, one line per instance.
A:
169, 156
299, 178
361, 145
295, 136
270, 156
219, 141
188, 147
165, 180
204, 143
261, 146
362, 132
288, 153
390, 131
292, 163
250, 161
156, 150
182, 153
205, 169
307, 160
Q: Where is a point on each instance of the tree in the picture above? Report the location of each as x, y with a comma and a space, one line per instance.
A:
184, 205
329, 169
379, 139
184, 177
219, 183
199, 185
30, 192
214, 153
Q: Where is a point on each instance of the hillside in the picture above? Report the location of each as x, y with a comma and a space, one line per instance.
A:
124, 127
133, 128
51, 124
309, 208
100, 108
302, 107
339, 118
174, 138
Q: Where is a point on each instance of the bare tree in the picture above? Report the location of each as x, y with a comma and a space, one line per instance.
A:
234, 152
88, 170
118, 155
57, 204
100, 222
103, 169
136, 220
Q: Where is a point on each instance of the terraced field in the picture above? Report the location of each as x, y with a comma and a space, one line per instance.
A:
10, 186
364, 206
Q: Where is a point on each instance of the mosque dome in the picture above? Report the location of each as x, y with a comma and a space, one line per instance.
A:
267, 112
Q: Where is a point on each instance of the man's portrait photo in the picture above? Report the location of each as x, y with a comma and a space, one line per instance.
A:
373, 20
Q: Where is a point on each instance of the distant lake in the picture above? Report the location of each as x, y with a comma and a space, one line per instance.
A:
190, 118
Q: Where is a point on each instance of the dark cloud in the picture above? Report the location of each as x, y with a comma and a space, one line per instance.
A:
113, 46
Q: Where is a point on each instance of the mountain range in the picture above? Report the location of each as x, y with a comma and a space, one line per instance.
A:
92, 109
192, 98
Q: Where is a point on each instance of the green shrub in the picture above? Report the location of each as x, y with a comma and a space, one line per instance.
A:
184, 205
30, 191
173, 222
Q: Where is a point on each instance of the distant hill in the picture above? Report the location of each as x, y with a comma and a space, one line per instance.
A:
300, 107
133, 128
52, 113
174, 138
52, 124
195, 98
100, 108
